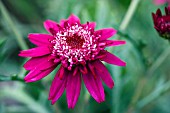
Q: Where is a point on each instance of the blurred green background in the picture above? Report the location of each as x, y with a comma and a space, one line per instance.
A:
143, 86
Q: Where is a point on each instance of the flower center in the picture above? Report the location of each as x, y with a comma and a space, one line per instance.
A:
75, 42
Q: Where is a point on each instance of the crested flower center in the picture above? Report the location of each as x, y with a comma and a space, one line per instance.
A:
75, 44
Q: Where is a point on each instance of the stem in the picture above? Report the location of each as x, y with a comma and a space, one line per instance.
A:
117, 89
125, 22
22, 44
57, 108
18, 36
143, 81
22, 71
159, 61
154, 95
129, 14
11, 78
85, 102
136, 95
136, 47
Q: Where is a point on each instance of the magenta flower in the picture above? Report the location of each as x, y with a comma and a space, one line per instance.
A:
79, 49
162, 23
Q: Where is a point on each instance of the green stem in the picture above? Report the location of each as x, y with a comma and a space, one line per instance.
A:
137, 48
85, 102
21, 96
154, 95
159, 61
129, 14
136, 95
143, 81
16, 32
125, 22
22, 71
10, 78
117, 89
22, 44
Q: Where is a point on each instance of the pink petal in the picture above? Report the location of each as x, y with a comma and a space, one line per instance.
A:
35, 52
159, 13
114, 42
40, 39
73, 19
58, 86
91, 25
92, 69
44, 65
83, 69
62, 22
36, 75
106, 33
94, 86
32, 74
112, 59
102, 71
33, 62
51, 26
167, 10
154, 17
73, 89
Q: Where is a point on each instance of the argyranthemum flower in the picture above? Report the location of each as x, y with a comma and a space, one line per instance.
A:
79, 49
162, 23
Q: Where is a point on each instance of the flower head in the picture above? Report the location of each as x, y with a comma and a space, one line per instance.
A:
79, 49
162, 23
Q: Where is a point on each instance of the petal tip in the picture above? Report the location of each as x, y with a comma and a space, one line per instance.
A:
124, 64
22, 54
73, 19
101, 100
52, 102
28, 81
106, 33
112, 31
49, 98
71, 106
111, 86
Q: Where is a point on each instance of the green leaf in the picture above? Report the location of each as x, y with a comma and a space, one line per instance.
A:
2, 44
20, 96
